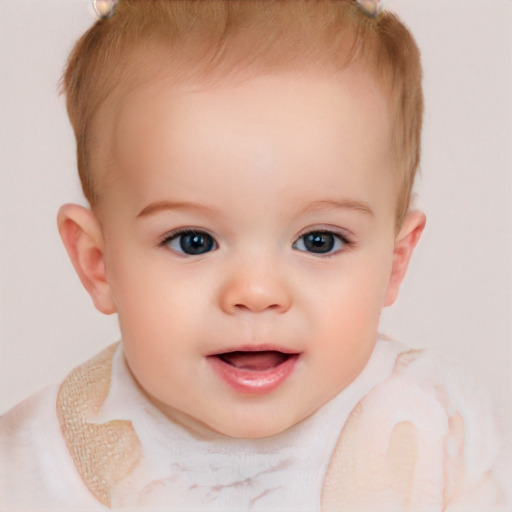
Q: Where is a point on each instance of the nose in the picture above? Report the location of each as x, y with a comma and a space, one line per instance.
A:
255, 288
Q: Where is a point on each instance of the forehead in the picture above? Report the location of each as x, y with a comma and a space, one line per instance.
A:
288, 120
352, 99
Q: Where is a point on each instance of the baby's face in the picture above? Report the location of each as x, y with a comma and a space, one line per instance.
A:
249, 235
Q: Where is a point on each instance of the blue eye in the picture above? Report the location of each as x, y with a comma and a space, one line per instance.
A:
320, 242
191, 242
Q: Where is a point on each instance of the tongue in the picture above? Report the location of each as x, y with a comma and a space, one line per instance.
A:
255, 361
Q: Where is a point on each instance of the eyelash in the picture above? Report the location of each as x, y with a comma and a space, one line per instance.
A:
178, 233
346, 242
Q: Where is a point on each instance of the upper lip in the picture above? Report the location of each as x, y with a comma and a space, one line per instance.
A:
267, 347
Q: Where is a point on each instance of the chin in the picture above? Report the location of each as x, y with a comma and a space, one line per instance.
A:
254, 428
253, 432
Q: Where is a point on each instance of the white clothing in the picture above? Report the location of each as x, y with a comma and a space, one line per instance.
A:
404, 436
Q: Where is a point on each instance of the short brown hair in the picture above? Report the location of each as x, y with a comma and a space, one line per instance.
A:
215, 39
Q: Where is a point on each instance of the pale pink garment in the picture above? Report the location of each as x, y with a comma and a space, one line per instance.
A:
404, 436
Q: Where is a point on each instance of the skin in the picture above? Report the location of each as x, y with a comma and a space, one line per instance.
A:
256, 165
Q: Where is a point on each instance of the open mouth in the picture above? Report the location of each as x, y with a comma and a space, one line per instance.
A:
255, 361
254, 371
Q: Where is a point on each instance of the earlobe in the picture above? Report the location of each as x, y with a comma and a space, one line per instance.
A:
83, 239
405, 243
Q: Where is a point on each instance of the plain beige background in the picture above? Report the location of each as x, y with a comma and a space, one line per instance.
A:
457, 296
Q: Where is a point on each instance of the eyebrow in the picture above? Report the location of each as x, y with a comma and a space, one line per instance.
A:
323, 204
334, 204
159, 206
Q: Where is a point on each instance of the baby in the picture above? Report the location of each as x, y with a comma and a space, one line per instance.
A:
249, 167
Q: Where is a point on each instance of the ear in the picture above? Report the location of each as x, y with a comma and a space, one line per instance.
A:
405, 243
82, 236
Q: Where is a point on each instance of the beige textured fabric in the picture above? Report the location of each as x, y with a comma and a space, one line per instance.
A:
357, 469
415, 443
351, 475
103, 453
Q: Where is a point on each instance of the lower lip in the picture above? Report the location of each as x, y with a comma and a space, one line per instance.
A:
250, 381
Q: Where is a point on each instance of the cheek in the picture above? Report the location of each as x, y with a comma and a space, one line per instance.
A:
358, 291
157, 326
154, 302
146, 284
349, 311
347, 340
